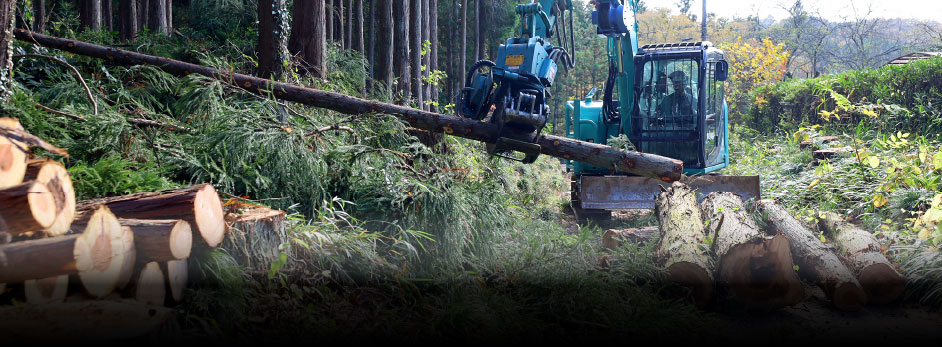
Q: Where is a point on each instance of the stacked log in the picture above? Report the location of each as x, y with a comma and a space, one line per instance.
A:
682, 249
879, 278
13, 155
816, 262
756, 268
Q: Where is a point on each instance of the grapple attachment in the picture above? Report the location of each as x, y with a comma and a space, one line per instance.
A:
633, 192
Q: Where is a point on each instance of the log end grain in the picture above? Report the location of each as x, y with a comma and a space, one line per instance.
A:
46, 290
882, 283
149, 288
12, 156
56, 178
848, 296
105, 237
209, 216
181, 240
694, 277
130, 257
26, 208
177, 277
760, 273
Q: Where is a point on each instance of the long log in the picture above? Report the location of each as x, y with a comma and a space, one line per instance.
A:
649, 165
26, 207
876, 274
47, 257
12, 155
156, 239
757, 269
816, 262
682, 247
199, 205
55, 177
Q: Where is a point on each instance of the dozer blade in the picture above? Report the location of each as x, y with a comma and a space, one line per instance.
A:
634, 192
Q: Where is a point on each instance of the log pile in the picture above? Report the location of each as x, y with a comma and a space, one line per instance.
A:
718, 247
135, 246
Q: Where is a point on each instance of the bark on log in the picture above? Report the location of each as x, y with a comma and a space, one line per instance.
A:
12, 156
816, 262
757, 269
643, 164
199, 205
682, 248
256, 234
108, 242
57, 180
48, 257
26, 207
875, 273
177, 277
161, 239
46, 290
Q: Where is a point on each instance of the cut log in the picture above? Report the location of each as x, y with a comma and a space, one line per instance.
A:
107, 240
255, 234
13, 155
46, 290
828, 153
637, 163
613, 238
155, 239
57, 180
26, 207
42, 258
130, 256
177, 277
757, 269
682, 248
875, 273
821, 139
816, 262
198, 204
149, 284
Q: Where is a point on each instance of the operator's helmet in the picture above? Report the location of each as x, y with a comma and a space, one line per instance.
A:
678, 77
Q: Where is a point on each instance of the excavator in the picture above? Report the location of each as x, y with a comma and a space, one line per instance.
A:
665, 99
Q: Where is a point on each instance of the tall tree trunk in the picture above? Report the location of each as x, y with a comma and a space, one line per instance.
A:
464, 45
39, 16
7, 12
107, 14
348, 26
169, 17
478, 33
340, 31
143, 6
329, 10
91, 14
371, 44
127, 20
272, 44
157, 16
308, 41
415, 55
357, 26
433, 58
402, 51
383, 62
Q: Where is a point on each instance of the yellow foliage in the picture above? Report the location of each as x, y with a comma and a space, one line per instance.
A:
753, 64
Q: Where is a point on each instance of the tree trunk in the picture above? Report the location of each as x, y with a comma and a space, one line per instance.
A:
383, 62
479, 30
26, 208
371, 42
57, 180
109, 244
143, 7
169, 19
757, 269
415, 55
13, 153
157, 16
199, 205
91, 14
816, 263
7, 14
348, 26
356, 19
272, 44
308, 41
682, 248
62, 255
642, 164
875, 273
433, 57
329, 10
614, 238
107, 15
46, 290
402, 60
255, 235
39, 16
127, 20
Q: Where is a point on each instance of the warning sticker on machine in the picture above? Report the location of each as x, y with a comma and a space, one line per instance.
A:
512, 60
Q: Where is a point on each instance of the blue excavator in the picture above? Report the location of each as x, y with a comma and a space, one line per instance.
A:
666, 99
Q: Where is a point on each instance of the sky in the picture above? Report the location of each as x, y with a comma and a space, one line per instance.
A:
830, 9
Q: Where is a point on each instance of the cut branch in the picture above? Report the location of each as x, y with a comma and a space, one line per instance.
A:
649, 165
78, 74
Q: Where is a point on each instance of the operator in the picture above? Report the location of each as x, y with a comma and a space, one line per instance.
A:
679, 102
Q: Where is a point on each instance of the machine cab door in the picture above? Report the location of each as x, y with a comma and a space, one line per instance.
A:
714, 140
667, 119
